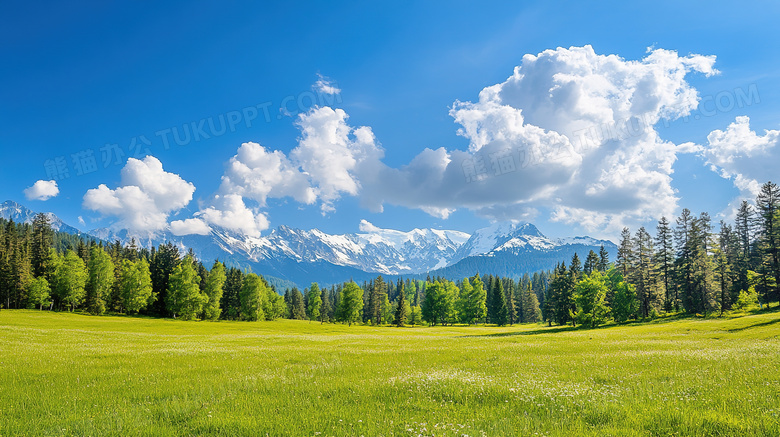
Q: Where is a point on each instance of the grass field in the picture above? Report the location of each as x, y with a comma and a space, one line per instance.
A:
70, 374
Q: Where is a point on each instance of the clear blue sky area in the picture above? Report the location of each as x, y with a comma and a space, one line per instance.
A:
116, 80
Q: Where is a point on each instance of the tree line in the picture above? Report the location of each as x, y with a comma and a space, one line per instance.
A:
688, 267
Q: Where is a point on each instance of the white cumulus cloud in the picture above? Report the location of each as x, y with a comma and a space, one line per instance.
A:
333, 154
42, 190
229, 211
190, 226
257, 173
743, 156
571, 130
147, 195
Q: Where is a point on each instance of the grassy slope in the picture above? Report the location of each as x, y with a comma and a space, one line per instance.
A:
68, 374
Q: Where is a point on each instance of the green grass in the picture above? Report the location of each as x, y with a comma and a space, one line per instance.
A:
70, 374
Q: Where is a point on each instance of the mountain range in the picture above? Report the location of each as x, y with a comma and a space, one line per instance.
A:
289, 256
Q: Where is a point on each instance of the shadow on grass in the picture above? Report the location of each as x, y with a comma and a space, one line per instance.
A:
552, 330
755, 325
661, 320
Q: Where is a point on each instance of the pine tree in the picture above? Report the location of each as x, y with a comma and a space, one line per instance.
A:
743, 237
560, 305
378, 301
42, 240
642, 272
231, 301
700, 296
499, 301
768, 225
722, 279
625, 253
686, 249
664, 261
603, 259
297, 306
401, 311
575, 268
509, 293
531, 311
326, 311
161, 266
591, 263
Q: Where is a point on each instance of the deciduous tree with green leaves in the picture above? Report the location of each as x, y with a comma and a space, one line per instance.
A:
215, 281
314, 302
135, 286
590, 294
39, 294
350, 303
253, 294
184, 297
71, 278
100, 280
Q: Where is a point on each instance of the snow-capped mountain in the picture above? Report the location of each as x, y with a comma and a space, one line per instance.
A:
503, 236
518, 238
376, 250
509, 249
296, 256
11, 210
303, 256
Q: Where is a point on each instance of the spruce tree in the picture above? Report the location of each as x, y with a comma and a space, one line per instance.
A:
499, 302
161, 266
642, 273
683, 264
43, 236
297, 306
768, 225
325, 312
401, 311
591, 263
664, 262
625, 253
603, 259
531, 311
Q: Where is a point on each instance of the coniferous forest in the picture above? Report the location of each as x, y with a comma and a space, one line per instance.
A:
687, 265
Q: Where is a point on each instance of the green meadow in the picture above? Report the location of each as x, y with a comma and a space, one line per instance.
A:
71, 374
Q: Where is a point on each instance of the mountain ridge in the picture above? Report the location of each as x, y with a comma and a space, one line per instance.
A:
303, 256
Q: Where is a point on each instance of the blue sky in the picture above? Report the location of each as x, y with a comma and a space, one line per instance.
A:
76, 77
